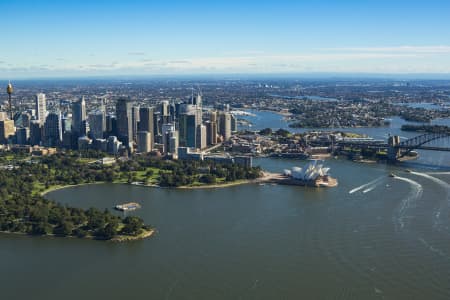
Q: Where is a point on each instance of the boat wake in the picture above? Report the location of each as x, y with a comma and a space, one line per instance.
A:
371, 188
416, 193
434, 249
437, 223
367, 187
438, 173
434, 179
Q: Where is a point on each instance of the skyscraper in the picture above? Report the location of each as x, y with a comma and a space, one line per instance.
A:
135, 120
233, 123
201, 137
53, 129
97, 124
191, 130
169, 138
41, 108
6, 130
146, 121
124, 121
35, 132
212, 128
225, 125
211, 133
78, 115
165, 112
144, 143
22, 135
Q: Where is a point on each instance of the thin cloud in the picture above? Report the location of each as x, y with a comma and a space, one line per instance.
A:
383, 60
136, 53
179, 62
401, 49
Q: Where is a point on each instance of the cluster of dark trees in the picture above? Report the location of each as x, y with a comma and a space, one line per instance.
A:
426, 128
188, 172
185, 172
24, 210
280, 132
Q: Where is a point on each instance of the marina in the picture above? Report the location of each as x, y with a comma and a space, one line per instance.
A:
127, 206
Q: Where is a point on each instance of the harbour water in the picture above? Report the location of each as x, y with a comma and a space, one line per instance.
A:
372, 237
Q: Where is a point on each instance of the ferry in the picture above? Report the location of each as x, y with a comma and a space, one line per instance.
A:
127, 206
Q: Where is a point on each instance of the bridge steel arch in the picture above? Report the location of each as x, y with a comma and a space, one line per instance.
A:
420, 140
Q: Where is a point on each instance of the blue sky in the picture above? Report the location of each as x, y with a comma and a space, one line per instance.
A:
82, 38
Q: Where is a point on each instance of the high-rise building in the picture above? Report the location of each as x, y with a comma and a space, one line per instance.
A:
165, 112
22, 135
66, 124
173, 144
233, 123
156, 124
211, 132
78, 116
124, 121
165, 109
211, 129
197, 100
144, 142
3, 115
35, 132
97, 124
53, 130
201, 136
191, 131
7, 130
41, 107
225, 125
111, 125
146, 119
135, 120
23, 120
169, 138
113, 145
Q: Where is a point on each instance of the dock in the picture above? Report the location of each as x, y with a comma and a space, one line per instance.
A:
127, 206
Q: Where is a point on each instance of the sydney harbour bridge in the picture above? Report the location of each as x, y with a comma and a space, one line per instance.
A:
397, 149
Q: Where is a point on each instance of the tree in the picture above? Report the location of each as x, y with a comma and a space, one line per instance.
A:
282, 132
208, 179
41, 229
265, 131
133, 225
64, 229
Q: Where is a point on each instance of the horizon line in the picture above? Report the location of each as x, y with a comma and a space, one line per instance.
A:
290, 75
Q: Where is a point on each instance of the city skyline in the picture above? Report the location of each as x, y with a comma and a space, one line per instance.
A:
110, 38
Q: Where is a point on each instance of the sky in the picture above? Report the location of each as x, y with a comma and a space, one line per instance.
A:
49, 38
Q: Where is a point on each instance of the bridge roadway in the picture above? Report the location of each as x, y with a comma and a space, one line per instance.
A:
386, 146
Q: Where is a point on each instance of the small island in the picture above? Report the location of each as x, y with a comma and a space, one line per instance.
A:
426, 128
26, 179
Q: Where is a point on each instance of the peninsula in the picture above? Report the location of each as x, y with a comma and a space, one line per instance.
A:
26, 179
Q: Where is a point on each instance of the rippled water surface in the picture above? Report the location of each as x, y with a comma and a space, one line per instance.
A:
372, 237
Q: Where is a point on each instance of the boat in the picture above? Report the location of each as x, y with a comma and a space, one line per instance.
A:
127, 206
391, 175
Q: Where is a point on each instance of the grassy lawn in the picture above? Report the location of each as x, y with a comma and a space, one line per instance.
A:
87, 160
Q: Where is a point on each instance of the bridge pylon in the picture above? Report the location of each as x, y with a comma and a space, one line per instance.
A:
393, 150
